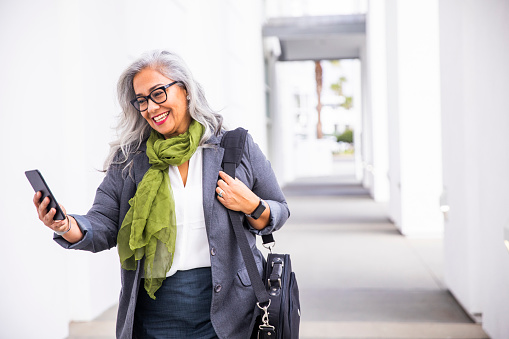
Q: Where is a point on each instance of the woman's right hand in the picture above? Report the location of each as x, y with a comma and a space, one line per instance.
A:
74, 234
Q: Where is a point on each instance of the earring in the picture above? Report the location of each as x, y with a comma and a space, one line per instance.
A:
188, 98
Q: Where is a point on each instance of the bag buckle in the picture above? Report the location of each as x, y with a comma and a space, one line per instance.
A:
269, 245
275, 276
265, 318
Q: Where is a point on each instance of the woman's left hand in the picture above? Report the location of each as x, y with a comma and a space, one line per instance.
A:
235, 195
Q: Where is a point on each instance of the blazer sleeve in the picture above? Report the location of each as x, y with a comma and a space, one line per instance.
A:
102, 222
265, 186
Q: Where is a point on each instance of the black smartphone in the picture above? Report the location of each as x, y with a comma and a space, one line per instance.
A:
39, 184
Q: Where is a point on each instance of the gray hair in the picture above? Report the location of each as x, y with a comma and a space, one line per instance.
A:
133, 129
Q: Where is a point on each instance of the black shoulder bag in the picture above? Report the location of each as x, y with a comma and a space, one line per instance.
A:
277, 292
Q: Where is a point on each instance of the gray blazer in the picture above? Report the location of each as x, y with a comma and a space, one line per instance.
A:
233, 307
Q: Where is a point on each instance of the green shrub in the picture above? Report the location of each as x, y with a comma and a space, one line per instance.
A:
347, 136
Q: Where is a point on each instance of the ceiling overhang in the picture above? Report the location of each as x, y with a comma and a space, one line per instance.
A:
318, 37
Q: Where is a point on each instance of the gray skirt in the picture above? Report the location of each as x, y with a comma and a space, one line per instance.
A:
181, 309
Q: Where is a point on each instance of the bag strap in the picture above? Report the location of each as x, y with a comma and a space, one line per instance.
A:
233, 144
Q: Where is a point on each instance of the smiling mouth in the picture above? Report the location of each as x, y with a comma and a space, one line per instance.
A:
159, 119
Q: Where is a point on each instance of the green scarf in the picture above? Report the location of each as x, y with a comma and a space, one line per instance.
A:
149, 228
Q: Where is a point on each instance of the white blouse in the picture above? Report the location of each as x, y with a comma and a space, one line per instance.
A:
192, 246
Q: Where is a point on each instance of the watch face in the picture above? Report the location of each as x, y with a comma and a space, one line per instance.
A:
259, 210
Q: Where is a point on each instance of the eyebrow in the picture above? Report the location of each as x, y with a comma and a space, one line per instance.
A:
149, 90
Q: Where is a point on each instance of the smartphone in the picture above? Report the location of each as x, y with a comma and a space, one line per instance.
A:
39, 184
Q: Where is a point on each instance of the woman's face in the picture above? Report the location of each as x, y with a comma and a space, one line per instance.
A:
169, 118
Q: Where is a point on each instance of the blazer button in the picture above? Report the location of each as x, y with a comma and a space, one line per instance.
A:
217, 288
213, 251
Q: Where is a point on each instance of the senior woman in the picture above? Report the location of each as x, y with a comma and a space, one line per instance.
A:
162, 205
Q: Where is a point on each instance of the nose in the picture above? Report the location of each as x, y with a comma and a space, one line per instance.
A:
152, 106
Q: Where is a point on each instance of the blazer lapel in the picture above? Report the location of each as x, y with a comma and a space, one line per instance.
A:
140, 163
212, 158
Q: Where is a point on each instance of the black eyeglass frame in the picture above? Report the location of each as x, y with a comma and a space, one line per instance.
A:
135, 103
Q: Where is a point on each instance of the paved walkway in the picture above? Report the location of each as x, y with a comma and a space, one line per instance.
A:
358, 276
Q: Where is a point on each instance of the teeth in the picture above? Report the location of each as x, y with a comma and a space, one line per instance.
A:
161, 117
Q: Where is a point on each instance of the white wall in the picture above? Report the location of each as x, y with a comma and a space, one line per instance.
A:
475, 83
414, 116
223, 45
59, 65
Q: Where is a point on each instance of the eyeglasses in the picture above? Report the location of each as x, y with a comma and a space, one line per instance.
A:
158, 96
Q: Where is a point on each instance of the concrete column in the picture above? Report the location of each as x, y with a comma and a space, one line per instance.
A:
284, 143
362, 129
278, 132
363, 136
475, 73
374, 65
414, 116
460, 163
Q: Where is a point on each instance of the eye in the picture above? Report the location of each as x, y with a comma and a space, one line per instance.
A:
157, 94
141, 101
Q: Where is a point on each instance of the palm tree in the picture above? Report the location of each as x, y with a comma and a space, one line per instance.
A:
318, 76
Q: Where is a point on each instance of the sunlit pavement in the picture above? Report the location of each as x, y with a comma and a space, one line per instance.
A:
358, 276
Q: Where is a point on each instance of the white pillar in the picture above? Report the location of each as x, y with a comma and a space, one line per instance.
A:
414, 116
475, 73
374, 74
363, 135
283, 123
460, 168
280, 129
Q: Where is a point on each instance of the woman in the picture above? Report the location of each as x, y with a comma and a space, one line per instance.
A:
162, 205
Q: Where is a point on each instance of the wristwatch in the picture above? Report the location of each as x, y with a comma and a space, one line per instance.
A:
258, 211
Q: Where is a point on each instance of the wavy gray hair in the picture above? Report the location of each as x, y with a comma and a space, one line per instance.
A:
133, 128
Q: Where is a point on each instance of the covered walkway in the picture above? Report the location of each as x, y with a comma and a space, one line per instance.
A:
358, 276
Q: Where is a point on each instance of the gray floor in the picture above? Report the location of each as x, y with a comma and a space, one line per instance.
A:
358, 276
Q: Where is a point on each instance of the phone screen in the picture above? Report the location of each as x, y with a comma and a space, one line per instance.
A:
39, 184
